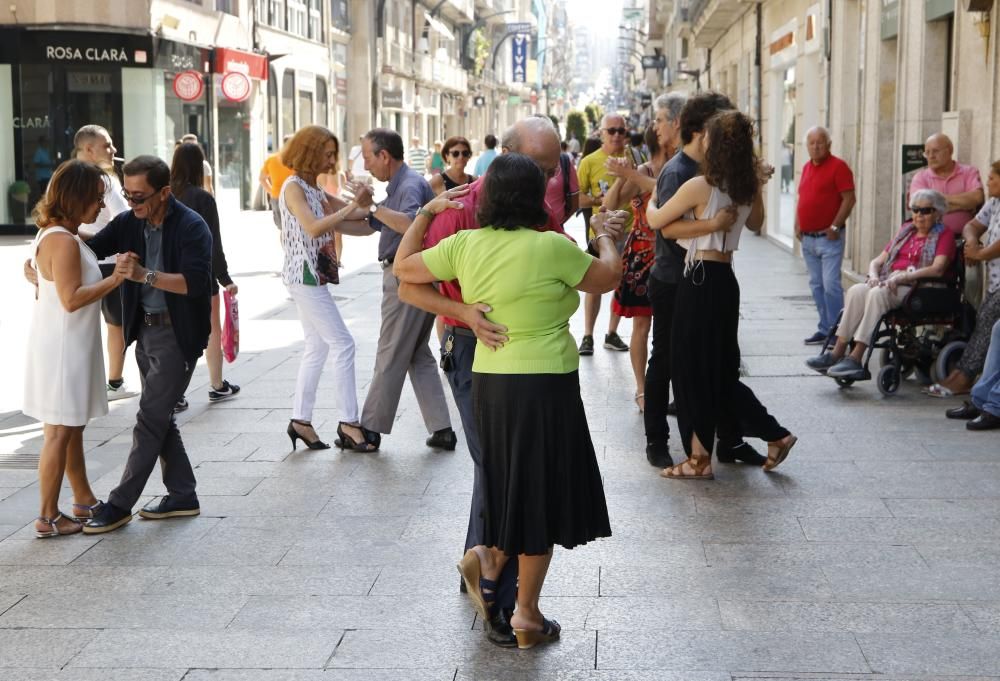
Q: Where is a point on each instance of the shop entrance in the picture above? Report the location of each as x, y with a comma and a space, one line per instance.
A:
51, 103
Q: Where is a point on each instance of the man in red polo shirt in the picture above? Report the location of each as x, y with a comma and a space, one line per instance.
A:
826, 198
537, 138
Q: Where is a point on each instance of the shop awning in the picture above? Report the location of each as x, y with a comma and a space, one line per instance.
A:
440, 27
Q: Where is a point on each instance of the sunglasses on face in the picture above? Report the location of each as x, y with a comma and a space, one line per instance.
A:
616, 131
921, 210
137, 200
455, 153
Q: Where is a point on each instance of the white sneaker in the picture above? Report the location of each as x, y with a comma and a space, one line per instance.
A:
119, 393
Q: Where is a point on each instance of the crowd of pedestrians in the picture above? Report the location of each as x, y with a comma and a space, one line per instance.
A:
487, 255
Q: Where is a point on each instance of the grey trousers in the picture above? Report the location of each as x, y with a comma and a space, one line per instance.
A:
402, 350
165, 376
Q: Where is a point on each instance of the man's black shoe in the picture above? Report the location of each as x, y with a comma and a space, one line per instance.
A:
967, 411
499, 631
443, 439
658, 454
166, 507
108, 517
742, 452
672, 409
985, 421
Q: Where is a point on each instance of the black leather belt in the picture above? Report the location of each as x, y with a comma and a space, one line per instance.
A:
156, 318
815, 235
459, 331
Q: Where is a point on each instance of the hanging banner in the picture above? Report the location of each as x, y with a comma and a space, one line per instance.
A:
520, 58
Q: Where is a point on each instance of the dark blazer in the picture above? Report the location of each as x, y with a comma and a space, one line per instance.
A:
187, 250
203, 203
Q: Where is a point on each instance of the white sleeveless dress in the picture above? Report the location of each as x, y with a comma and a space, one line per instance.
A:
64, 380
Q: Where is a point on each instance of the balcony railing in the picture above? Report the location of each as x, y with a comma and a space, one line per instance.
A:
450, 76
710, 19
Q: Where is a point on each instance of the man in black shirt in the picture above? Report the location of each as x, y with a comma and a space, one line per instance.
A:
166, 302
663, 280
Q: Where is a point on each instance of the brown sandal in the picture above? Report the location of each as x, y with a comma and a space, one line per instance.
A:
780, 454
690, 469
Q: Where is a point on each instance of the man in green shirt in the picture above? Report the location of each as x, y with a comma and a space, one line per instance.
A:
594, 183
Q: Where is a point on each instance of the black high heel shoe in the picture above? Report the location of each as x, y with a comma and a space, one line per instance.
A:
345, 441
296, 435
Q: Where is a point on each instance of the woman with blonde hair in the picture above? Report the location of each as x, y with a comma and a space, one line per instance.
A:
64, 373
309, 216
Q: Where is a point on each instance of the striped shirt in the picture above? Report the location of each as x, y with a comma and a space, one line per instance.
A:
416, 158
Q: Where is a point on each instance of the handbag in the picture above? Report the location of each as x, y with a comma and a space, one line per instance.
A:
326, 264
231, 328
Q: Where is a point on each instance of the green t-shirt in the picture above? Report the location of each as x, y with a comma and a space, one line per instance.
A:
527, 277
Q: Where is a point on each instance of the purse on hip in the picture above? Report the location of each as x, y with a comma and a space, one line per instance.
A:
326, 264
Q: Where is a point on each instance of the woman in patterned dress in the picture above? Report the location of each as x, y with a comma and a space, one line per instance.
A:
635, 185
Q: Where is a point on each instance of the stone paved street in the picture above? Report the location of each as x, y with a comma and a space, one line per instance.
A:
871, 554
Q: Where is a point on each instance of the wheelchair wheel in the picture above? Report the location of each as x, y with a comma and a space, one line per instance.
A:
888, 379
948, 359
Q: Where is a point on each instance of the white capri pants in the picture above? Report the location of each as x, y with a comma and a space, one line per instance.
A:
864, 306
324, 330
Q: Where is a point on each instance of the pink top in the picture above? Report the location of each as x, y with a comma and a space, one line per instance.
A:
909, 254
962, 179
455, 220
555, 197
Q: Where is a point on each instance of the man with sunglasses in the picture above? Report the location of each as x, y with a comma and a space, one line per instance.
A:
595, 180
166, 303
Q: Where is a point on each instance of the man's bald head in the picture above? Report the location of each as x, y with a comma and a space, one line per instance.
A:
536, 138
938, 150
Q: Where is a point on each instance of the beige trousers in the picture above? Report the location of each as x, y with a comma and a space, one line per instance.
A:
863, 307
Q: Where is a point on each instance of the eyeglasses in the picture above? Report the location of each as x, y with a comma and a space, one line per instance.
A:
455, 153
922, 210
616, 131
137, 200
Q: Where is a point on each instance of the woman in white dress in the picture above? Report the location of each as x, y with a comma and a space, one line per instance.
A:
64, 378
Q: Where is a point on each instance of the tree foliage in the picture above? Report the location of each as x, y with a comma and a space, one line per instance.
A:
576, 125
594, 114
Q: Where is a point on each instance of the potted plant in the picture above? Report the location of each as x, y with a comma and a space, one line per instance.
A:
19, 192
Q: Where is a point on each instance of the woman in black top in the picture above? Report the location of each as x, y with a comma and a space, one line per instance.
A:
456, 151
186, 178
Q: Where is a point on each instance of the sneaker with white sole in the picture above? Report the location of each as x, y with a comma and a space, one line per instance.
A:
224, 393
119, 393
613, 341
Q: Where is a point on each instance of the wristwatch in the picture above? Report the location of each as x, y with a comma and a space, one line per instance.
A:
149, 278
372, 208
835, 228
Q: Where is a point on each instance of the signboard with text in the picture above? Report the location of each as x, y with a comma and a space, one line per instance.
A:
913, 162
519, 56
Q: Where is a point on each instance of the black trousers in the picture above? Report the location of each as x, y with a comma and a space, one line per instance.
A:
662, 297
705, 368
165, 377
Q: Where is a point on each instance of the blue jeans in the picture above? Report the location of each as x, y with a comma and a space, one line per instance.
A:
823, 260
986, 392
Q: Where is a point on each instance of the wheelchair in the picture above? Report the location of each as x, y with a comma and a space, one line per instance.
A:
928, 332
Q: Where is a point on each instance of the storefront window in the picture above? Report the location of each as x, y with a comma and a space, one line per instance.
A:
305, 108
786, 206
288, 102
340, 16
322, 104
272, 111
233, 184
183, 117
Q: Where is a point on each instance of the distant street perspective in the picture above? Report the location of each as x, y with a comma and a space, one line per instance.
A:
490, 340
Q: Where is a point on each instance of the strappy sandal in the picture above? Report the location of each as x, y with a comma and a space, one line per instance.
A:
53, 523
690, 469
82, 512
481, 591
642, 404
529, 638
780, 455
938, 390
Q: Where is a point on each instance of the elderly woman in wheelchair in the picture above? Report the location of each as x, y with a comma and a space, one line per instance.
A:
921, 250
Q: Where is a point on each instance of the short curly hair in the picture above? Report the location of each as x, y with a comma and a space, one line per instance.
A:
513, 194
75, 186
698, 109
730, 161
304, 152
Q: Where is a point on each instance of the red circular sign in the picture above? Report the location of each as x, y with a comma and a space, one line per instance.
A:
188, 85
235, 86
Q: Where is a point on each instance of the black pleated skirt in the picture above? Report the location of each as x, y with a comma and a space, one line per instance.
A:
542, 482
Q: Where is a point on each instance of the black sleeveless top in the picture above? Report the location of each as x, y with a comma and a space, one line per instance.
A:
451, 184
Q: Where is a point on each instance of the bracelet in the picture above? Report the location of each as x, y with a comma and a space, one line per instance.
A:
426, 213
603, 234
